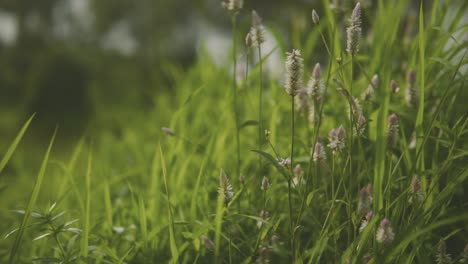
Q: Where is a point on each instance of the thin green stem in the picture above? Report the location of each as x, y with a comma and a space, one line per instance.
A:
291, 229
234, 87
260, 107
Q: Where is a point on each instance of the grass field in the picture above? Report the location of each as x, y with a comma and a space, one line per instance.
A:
361, 161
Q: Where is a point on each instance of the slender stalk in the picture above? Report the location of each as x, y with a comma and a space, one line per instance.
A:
291, 229
260, 106
234, 87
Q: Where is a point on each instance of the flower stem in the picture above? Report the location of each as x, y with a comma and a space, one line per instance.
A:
234, 87
291, 229
260, 110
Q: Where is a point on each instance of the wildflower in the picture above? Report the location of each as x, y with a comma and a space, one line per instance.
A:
355, 109
257, 32
319, 153
442, 257
385, 233
168, 131
232, 5
360, 128
209, 245
225, 188
265, 184
353, 32
337, 139
315, 86
412, 95
313, 115
302, 101
366, 221
298, 171
284, 162
365, 199
394, 86
294, 72
315, 17
369, 93
416, 196
264, 216
392, 131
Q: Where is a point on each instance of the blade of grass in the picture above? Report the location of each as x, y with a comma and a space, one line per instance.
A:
172, 240
15, 143
32, 201
86, 212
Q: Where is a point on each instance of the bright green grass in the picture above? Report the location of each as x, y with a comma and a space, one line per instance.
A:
140, 196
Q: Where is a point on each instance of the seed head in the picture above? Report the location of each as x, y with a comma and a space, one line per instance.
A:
168, 131
232, 5
369, 94
225, 188
298, 171
393, 129
265, 184
257, 31
394, 86
355, 108
319, 153
264, 216
315, 85
366, 221
209, 245
354, 30
284, 162
416, 195
294, 72
412, 94
385, 234
442, 257
302, 101
315, 17
365, 199
360, 128
337, 139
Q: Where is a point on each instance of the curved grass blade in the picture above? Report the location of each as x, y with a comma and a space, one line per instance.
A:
32, 201
15, 143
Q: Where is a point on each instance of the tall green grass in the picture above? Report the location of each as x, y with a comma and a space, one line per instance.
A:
144, 196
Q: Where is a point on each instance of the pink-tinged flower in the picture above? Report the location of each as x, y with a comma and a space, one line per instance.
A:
365, 199
337, 138
393, 130
366, 221
385, 234
294, 72
265, 184
319, 153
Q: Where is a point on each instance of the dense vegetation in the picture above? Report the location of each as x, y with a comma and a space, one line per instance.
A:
362, 159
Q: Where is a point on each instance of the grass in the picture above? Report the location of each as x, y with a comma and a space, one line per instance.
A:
143, 196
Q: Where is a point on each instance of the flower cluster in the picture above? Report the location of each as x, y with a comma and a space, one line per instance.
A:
354, 30
294, 72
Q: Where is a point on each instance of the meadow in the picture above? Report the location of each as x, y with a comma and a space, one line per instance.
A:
357, 153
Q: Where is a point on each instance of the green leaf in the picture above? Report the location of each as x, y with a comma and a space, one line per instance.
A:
15, 143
